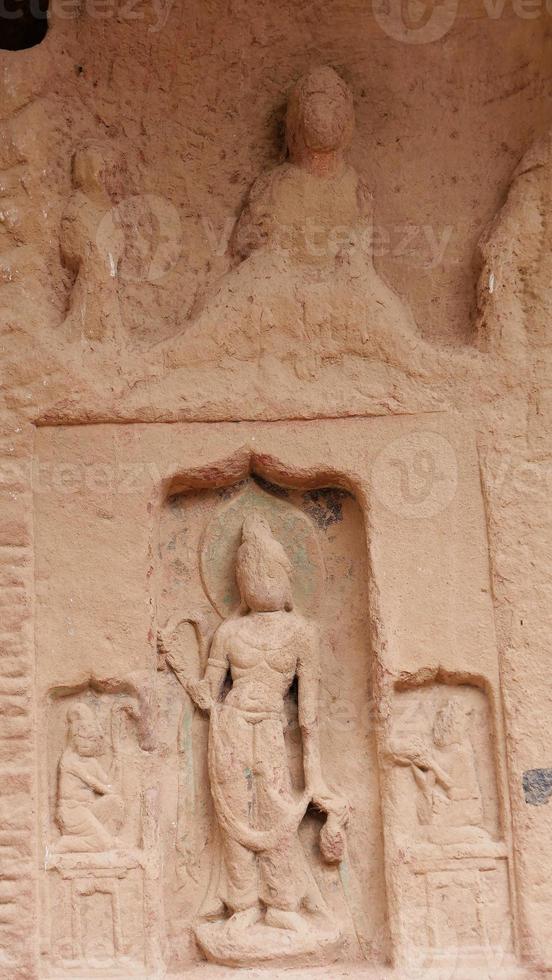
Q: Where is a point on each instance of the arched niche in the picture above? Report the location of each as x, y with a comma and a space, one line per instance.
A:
318, 519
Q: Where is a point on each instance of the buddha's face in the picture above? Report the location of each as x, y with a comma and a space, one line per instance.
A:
264, 590
325, 121
320, 113
262, 568
94, 169
88, 168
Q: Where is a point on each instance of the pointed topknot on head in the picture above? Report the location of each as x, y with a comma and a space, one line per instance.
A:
263, 568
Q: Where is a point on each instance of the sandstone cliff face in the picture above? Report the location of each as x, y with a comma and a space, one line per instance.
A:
213, 306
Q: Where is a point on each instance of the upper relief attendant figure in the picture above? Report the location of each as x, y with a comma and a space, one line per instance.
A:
304, 286
513, 295
94, 311
514, 304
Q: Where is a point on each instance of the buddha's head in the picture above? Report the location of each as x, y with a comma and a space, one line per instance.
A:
451, 724
96, 170
320, 115
85, 735
88, 167
263, 570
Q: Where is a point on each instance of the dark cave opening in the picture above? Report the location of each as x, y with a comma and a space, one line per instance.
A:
23, 23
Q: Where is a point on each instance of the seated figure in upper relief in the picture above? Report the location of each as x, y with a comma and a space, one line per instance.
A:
89, 808
305, 287
445, 774
311, 205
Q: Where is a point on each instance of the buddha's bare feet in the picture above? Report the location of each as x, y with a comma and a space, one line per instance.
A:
244, 918
284, 919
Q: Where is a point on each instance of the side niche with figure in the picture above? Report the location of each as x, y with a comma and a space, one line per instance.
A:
90, 806
445, 815
101, 855
449, 802
279, 834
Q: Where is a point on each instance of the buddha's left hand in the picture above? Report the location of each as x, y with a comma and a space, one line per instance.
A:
329, 802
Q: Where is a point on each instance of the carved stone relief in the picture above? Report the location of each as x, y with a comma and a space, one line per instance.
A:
283, 768
276, 882
303, 247
255, 707
94, 312
102, 856
258, 816
90, 808
447, 822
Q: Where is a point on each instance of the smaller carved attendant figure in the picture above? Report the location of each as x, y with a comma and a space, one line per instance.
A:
89, 810
94, 311
462, 806
445, 772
